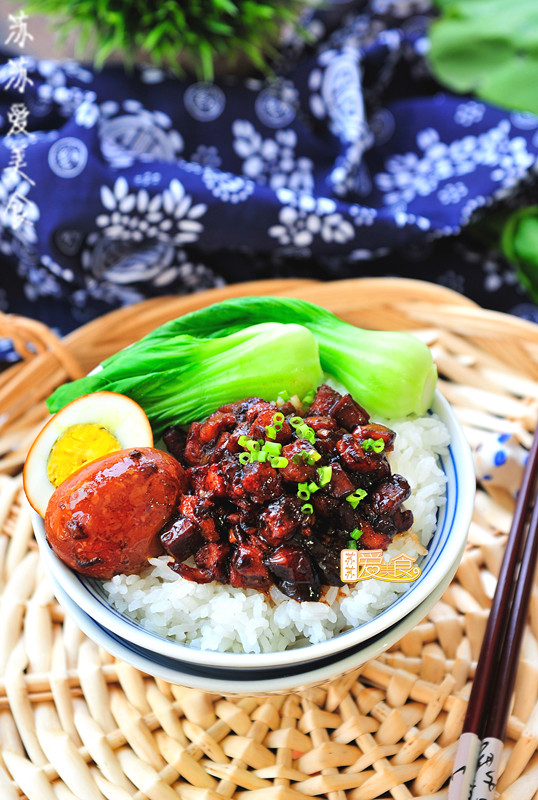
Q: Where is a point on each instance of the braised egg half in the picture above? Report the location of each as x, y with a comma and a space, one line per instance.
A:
88, 428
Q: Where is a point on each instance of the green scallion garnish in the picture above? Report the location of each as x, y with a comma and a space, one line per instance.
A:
273, 448
312, 487
308, 508
278, 462
325, 475
244, 458
303, 492
355, 497
356, 533
295, 421
306, 432
377, 445
351, 545
307, 456
276, 425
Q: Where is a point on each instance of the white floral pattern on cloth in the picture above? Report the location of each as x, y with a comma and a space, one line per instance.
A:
168, 216
227, 187
146, 183
272, 161
129, 132
18, 212
207, 156
304, 217
276, 105
336, 96
410, 175
452, 193
469, 113
114, 270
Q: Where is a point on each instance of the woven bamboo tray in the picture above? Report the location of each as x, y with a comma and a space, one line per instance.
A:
76, 724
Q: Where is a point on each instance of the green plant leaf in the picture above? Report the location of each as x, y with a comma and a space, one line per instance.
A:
489, 47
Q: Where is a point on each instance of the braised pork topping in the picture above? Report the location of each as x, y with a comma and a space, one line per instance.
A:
275, 495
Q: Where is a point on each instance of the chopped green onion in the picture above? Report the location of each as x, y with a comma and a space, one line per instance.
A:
377, 445
250, 444
284, 395
277, 462
273, 448
308, 399
308, 508
278, 420
356, 533
325, 475
263, 455
308, 456
312, 487
306, 432
244, 458
355, 497
351, 545
295, 421
303, 491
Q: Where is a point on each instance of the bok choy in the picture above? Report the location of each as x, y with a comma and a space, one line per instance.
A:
182, 377
260, 346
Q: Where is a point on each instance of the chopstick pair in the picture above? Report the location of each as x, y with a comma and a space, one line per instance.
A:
477, 760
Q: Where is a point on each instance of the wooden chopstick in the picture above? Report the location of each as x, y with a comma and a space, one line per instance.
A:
479, 749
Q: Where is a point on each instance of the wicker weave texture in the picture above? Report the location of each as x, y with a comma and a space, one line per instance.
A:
76, 724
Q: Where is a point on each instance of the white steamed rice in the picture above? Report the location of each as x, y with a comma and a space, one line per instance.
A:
213, 616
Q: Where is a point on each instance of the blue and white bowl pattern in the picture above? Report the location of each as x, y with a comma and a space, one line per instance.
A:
264, 681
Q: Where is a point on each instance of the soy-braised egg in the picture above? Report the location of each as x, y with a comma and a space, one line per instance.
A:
86, 429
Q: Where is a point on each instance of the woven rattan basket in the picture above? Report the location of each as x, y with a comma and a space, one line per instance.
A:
75, 724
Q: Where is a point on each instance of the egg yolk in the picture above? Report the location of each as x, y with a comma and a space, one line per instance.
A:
77, 446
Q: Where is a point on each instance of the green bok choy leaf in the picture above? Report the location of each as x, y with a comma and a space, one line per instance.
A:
188, 367
181, 377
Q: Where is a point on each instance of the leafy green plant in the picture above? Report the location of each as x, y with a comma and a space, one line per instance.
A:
519, 243
514, 235
489, 47
193, 34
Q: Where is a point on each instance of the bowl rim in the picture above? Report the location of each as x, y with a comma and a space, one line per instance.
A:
314, 676
81, 589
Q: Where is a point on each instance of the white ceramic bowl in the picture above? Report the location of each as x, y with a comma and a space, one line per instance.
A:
441, 561
283, 680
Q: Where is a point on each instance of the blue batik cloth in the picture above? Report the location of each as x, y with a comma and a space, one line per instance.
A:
352, 161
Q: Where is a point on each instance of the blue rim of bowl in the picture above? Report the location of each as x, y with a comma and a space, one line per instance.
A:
256, 681
91, 597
